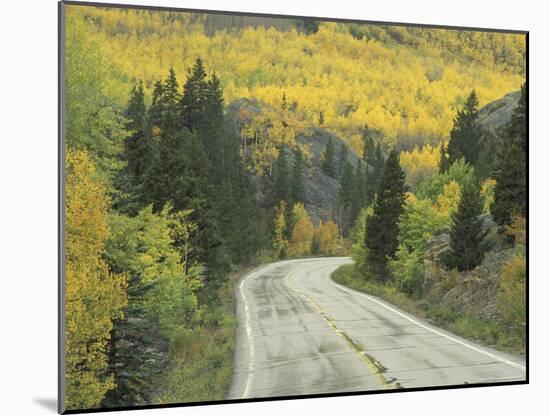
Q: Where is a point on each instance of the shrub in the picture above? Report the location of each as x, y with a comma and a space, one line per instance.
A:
408, 271
511, 298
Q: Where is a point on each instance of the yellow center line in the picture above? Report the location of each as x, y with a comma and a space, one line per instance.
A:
376, 368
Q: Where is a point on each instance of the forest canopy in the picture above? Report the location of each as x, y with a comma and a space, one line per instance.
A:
405, 82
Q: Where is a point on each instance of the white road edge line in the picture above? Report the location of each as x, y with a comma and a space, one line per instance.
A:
252, 356
399, 313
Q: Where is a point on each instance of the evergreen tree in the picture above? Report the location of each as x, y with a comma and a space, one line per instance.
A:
368, 145
359, 192
216, 141
193, 101
346, 197
282, 185
375, 171
298, 171
328, 165
517, 128
381, 230
465, 136
342, 159
249, 235
155, 111
511, 168
468, 243
169, 100
138, 352
137, 147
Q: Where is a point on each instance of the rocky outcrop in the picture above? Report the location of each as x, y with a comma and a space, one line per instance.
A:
496, 114
473, 292
321, 190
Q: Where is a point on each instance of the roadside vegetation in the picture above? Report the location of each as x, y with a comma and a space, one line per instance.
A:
502, 334
395, 237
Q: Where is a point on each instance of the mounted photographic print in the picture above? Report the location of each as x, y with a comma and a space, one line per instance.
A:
258, 207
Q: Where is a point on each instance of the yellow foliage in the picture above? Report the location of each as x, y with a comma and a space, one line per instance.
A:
94, 296
518, 229
447, 202
420, 163
406, 91
280, 243
488, 194
326, 238
302, 232
511, 298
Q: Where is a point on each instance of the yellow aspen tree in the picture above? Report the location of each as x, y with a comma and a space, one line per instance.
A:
280, 243
302, 232
326, 238
94, 296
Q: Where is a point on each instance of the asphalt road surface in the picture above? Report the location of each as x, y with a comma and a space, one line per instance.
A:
301, 333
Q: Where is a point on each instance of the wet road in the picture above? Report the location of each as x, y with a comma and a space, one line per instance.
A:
301, 333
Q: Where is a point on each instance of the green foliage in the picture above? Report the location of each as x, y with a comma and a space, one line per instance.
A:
468, 235
459, 172
137, 146
282, 186
375, 168
465, 136
408, 270
359, 250
92, 120
347, 196
516, 130
297, 180
342, 158
421, 219
328, 164
381, 234
511, 188
162, 303
510, 194
144, 247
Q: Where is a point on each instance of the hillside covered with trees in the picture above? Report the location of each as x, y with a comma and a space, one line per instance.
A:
200, 145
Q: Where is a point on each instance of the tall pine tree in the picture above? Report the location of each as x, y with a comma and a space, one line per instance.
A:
328, 164
342, 158
298, 172
137, 146
381, 231
465, 136
511, 167
468, 235
282, 185
193, 101
375, 170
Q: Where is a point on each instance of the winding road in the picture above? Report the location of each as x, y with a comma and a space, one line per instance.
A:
302, 333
